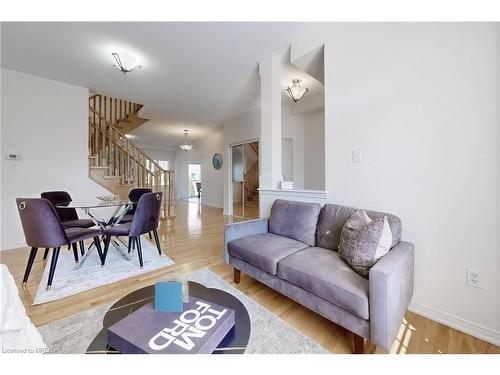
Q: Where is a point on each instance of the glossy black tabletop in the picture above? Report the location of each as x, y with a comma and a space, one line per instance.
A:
235, 341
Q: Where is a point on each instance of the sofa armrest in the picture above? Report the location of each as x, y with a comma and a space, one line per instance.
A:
243, 229
391, 289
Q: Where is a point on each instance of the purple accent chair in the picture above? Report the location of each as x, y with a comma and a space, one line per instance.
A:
146, 219
68, 216
295, 251
43, 229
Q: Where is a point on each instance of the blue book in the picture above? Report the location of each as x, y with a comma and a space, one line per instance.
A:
168, 296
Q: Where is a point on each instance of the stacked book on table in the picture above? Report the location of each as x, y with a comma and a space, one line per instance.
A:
198, 327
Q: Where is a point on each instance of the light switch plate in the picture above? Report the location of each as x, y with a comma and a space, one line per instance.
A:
356, 155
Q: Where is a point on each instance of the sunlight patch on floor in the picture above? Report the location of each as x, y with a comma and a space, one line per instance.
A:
403, 338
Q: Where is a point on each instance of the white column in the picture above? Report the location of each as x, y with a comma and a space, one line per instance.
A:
270, 128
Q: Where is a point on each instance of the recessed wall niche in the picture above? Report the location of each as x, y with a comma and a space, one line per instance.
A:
303, 123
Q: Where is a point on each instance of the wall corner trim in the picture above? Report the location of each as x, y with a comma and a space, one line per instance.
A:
473, 329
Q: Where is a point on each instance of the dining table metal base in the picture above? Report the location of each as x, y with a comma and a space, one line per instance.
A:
114, 220
92, 247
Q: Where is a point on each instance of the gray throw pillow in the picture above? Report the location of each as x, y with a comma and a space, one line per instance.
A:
359, 241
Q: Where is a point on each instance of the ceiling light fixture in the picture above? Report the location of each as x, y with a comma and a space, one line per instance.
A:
296, 92
187, 145
121, 66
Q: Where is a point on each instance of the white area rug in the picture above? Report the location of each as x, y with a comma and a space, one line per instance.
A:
269, 333
68, 281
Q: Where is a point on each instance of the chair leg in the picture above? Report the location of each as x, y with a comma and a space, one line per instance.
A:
359, 343
237, 275
53, 264
45, 253
97, 243
129, 244
150, 236
69, 247
139, 250
75, 251
31, 259
155, 233
82, 248
107, 240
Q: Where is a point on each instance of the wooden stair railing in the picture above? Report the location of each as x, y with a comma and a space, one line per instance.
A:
251, 180
112, 109
121, 158
255, 147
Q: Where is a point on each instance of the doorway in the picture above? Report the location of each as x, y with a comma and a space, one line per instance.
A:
245, 180
194, 181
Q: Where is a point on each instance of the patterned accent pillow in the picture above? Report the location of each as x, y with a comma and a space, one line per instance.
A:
364, 241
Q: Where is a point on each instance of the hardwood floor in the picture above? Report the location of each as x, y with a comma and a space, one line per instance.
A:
194, 239
251, 210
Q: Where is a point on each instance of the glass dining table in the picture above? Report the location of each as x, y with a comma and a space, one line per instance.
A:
120, 209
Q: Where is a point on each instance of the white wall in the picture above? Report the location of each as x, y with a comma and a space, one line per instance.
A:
211, 179
287, 164
307, 132
45, 122
314, 150
421, 102
292, 127
239, 129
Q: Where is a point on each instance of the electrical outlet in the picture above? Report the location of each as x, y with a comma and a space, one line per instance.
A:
474, 277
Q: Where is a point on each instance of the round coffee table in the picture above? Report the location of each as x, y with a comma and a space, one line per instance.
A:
235, 341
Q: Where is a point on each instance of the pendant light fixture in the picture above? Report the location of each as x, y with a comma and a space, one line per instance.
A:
187, 145
296, 92
120, 65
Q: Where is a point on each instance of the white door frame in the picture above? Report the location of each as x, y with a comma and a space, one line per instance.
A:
189, 177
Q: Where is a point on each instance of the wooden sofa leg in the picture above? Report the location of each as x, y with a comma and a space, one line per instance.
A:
237, 275
359, 343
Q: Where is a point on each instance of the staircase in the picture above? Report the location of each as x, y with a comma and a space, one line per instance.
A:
251, 180
117, 163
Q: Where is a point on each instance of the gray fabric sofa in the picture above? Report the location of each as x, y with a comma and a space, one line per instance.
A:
294, 251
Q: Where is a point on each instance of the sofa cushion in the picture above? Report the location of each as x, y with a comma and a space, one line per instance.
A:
322, 272
295, 220
333, 217
264, 250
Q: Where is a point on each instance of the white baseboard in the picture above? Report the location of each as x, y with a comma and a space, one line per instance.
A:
473, 329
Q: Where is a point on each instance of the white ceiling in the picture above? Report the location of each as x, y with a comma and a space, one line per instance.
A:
193, 76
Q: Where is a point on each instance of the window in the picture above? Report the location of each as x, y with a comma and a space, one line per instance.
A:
163, 163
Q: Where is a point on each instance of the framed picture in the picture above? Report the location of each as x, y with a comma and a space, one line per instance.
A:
217, 161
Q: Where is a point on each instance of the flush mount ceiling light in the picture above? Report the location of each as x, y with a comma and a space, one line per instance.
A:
122, 63
187, 145
296, 92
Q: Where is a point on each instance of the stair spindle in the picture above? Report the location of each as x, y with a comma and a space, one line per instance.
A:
121, 157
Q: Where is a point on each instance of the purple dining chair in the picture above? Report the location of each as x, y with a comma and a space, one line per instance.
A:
146, 219
134, 195
68, 216
43, 229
